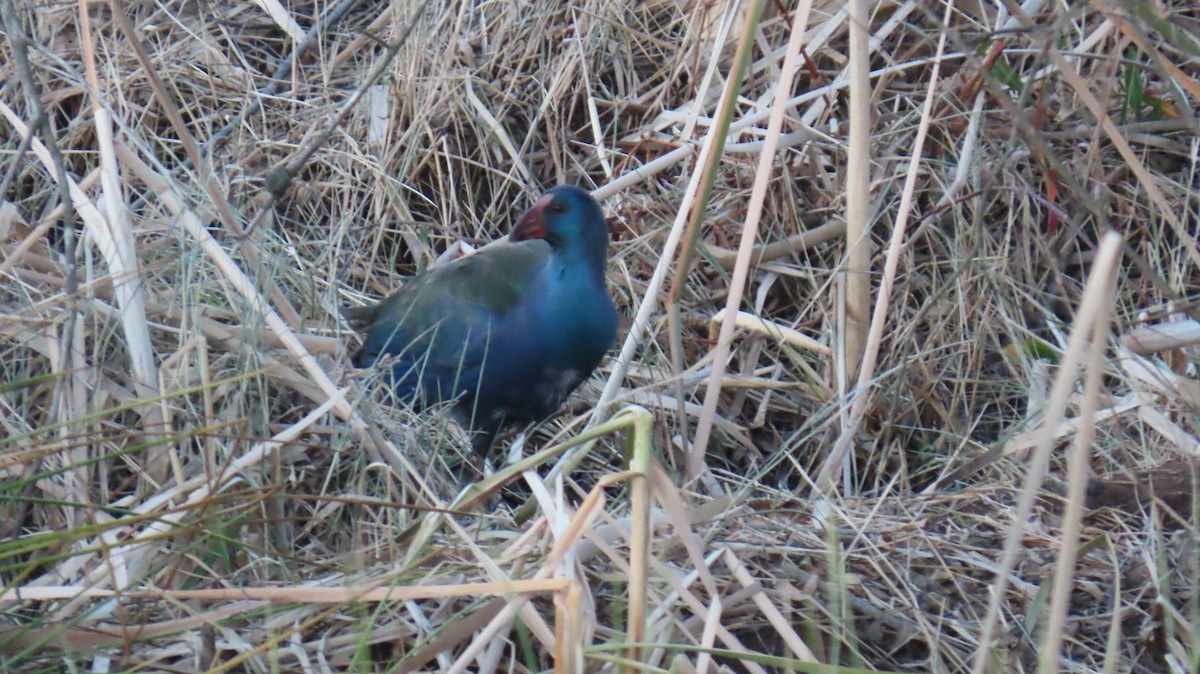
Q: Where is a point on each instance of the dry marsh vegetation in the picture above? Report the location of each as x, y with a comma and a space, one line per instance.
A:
892, 394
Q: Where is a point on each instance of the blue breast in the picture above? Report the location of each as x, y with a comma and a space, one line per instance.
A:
546, 346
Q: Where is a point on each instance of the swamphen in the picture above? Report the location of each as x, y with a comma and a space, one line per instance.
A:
507, 333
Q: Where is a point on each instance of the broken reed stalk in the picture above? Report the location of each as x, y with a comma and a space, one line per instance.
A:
827, 478
708, 172
741, 270
1094, 295
1050, 655
857, 302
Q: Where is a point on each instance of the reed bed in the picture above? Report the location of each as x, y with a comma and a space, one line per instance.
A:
907, 380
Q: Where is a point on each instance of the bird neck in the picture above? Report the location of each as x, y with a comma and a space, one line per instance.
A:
573, 310
590, 254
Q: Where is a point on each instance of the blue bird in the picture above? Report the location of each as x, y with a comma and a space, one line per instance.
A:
507, 333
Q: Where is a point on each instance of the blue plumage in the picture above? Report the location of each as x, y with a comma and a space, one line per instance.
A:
507, 333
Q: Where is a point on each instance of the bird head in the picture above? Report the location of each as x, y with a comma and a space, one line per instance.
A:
564, 216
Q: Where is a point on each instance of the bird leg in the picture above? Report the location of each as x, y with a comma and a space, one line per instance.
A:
481, 441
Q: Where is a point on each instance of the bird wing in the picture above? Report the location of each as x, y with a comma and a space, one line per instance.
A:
440, 322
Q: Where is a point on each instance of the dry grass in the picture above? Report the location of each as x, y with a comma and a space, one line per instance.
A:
193, 479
